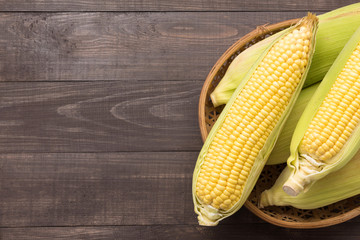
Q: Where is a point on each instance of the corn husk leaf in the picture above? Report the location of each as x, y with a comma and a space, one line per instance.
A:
335, 187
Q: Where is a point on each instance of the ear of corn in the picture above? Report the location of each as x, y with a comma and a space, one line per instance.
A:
242, 138
334, 187
328, 134
281, 151
335, 29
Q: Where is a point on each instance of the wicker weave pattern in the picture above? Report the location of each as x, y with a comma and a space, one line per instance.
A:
282, 216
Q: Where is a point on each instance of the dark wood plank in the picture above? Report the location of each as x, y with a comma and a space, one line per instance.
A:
249, 231
120, 46
167, 5
97, 189
99, 116
70, 189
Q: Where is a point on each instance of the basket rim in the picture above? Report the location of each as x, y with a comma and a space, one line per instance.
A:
261, 30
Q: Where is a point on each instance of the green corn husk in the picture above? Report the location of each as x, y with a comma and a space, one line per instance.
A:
335, 29
335, 187
281, 151
208, 215
301, 178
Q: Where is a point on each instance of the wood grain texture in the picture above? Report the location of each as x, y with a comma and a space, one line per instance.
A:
104, 116
249, 231
167, 5
120, 46
98, 116
83, 189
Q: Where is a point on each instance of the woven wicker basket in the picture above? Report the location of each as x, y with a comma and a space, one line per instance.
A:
282, 216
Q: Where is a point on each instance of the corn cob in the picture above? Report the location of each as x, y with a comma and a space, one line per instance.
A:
335, 29
239, 143
281, 151
334, 187
328, 135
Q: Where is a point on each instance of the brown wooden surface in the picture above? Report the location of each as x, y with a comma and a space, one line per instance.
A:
101, 116
248, 231
98, 116
166, 5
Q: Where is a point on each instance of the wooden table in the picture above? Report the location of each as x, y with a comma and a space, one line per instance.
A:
98, 116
